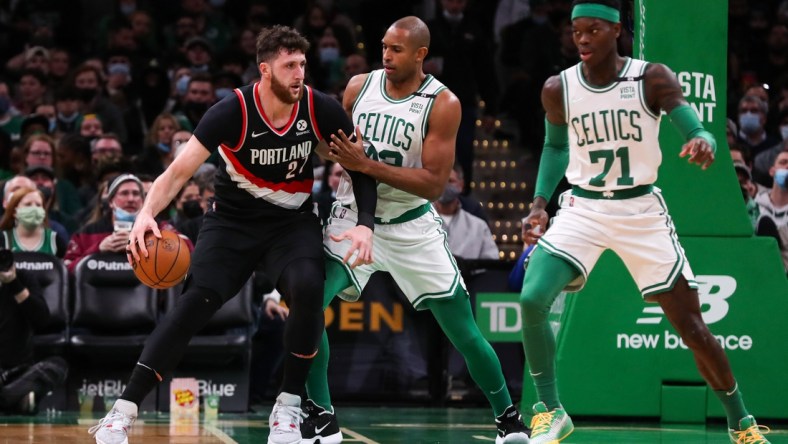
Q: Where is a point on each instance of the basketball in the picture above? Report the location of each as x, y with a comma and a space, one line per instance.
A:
167, 262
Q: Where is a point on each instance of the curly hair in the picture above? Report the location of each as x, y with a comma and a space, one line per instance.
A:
273, 39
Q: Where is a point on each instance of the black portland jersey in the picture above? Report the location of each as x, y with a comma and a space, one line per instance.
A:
269, 165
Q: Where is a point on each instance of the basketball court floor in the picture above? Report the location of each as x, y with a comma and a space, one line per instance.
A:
368, 425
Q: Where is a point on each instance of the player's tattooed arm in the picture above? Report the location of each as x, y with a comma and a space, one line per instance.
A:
663, 92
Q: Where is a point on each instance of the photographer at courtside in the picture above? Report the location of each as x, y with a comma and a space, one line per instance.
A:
22, 309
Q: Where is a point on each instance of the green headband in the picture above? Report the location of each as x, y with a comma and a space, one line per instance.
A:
596, 10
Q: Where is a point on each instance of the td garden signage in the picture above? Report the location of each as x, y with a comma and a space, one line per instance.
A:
500, 319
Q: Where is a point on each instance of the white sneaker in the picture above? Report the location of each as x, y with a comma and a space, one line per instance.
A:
114, 428
285, 420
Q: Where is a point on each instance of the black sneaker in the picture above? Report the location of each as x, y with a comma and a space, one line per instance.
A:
511, 428
320, 425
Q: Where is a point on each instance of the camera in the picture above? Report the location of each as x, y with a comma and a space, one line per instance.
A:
6, 260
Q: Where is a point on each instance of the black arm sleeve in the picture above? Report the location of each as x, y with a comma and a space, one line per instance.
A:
331, 117
221, 124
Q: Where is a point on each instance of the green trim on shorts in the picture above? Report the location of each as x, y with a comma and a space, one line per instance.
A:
352, 277
455, 283
573, 261
678, 267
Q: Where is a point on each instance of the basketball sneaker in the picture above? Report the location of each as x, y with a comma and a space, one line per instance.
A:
511, 429
285, 420
114, 428
749, 432
320, 425
550, 427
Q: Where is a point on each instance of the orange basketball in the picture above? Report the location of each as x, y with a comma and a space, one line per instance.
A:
167, 262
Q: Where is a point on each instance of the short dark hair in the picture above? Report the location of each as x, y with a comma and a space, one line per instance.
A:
276, 38
612, 3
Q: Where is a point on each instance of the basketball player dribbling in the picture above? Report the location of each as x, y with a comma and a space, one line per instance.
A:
266, 135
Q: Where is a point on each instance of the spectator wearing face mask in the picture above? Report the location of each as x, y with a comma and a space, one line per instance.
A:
765, 159
469, 237
67, 115
752, 125
109, 232
18, 182
158, 153
773, 206
199, 97
188, 211
24, 225
88, 80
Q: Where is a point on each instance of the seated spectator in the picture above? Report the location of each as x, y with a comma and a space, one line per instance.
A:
469, 237
108, 230
773, 206
23, 382
19, 182
67, 109
25, 227
765, 159
158, 152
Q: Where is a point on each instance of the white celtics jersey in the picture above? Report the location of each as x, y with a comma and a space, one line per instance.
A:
394, 132
613, 135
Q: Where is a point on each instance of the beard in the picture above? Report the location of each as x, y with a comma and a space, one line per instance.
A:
283, 93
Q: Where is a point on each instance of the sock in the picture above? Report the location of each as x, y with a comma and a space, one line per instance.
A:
456, 320
733, 404
317, 390
317, 380
143, 380
540, 356
545, 278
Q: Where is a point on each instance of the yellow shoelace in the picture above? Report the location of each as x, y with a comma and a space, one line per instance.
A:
752, 435
540, 423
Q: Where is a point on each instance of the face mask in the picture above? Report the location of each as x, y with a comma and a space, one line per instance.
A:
163, 147
784, 132
47, 192
30, 217
328, 55
182, 85
119, 68
196, 108
450, 193
5, 104
781, 178
192, 209
67, 119
128, 8
750, 123
452, 18
86, 94
317, 186
223, 92
122, 215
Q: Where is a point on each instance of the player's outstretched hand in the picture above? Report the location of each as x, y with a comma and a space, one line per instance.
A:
142, 224
534, 225
361, 239
349, 153
700, 152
